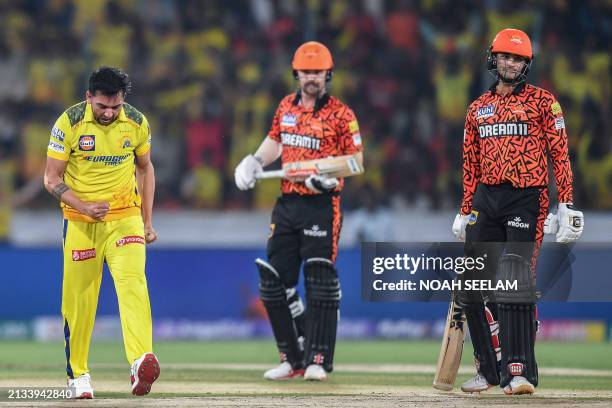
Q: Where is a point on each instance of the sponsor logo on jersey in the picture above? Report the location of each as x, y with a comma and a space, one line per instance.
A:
517, 222
83, 254
515, 368
108, 160
288, 120
559, 123
58, 134
56, 147
485, 112
353, 126
555, 108
315, 231
306, 142
503, 129
130, 239
87, 143
473, 217
357, 139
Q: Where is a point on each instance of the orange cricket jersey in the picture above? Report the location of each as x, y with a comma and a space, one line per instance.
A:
506, 140
309, 134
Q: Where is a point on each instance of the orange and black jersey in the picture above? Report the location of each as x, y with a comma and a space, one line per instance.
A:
506, 139
308, 134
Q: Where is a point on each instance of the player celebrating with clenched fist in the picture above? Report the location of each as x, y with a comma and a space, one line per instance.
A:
99, 168
309, 124
509, 132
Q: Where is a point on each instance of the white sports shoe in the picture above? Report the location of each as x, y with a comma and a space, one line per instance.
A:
315, 372
283, 372
81, 387
145, 371
518, 386
476, 384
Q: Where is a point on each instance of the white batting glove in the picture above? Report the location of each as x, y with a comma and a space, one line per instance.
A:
459, 226
551, 224
245, 172
571, 223
321, 184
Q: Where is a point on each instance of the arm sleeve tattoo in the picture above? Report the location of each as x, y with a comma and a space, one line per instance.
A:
60, 189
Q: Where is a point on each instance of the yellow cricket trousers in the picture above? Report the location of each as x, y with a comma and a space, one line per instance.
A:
87, 246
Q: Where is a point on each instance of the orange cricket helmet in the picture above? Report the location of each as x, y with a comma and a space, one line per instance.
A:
312, 55
512, 41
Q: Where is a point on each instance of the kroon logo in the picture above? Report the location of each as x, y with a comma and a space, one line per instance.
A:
87, 143
315, 231
130, 239
83, 254
517, 222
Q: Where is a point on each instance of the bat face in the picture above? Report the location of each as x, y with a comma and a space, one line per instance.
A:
341, 166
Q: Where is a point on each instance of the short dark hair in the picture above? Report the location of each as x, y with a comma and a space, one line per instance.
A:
109, 81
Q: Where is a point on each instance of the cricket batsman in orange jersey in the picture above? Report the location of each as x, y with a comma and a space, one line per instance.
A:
510, 132
308, 124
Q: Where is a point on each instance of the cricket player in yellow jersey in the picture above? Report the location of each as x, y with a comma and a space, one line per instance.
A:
99, 167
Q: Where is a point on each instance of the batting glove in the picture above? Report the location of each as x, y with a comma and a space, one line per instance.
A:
459, 226
246, 171
321, 184
551, 224
571, 223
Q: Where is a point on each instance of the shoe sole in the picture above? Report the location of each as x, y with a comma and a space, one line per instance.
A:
85, 395
309, 378
476, 391
523, 389
472, 391
148, 372
296, 373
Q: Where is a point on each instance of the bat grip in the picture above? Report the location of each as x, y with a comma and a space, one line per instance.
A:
270, 174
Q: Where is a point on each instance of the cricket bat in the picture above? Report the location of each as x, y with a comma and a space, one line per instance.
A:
340, 166
451, 349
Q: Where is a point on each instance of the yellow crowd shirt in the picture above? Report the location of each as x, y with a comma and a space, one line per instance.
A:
101, 159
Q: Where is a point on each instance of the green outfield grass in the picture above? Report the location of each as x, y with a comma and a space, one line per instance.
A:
35, 360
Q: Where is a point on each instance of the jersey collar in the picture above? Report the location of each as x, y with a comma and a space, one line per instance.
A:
517, 89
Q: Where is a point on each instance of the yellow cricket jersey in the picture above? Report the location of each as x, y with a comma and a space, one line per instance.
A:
100, 158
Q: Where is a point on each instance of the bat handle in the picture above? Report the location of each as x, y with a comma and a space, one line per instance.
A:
270, 174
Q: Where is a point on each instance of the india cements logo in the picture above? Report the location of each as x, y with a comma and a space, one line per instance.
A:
83, 254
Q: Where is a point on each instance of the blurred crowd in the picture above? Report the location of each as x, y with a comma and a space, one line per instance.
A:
209, 75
